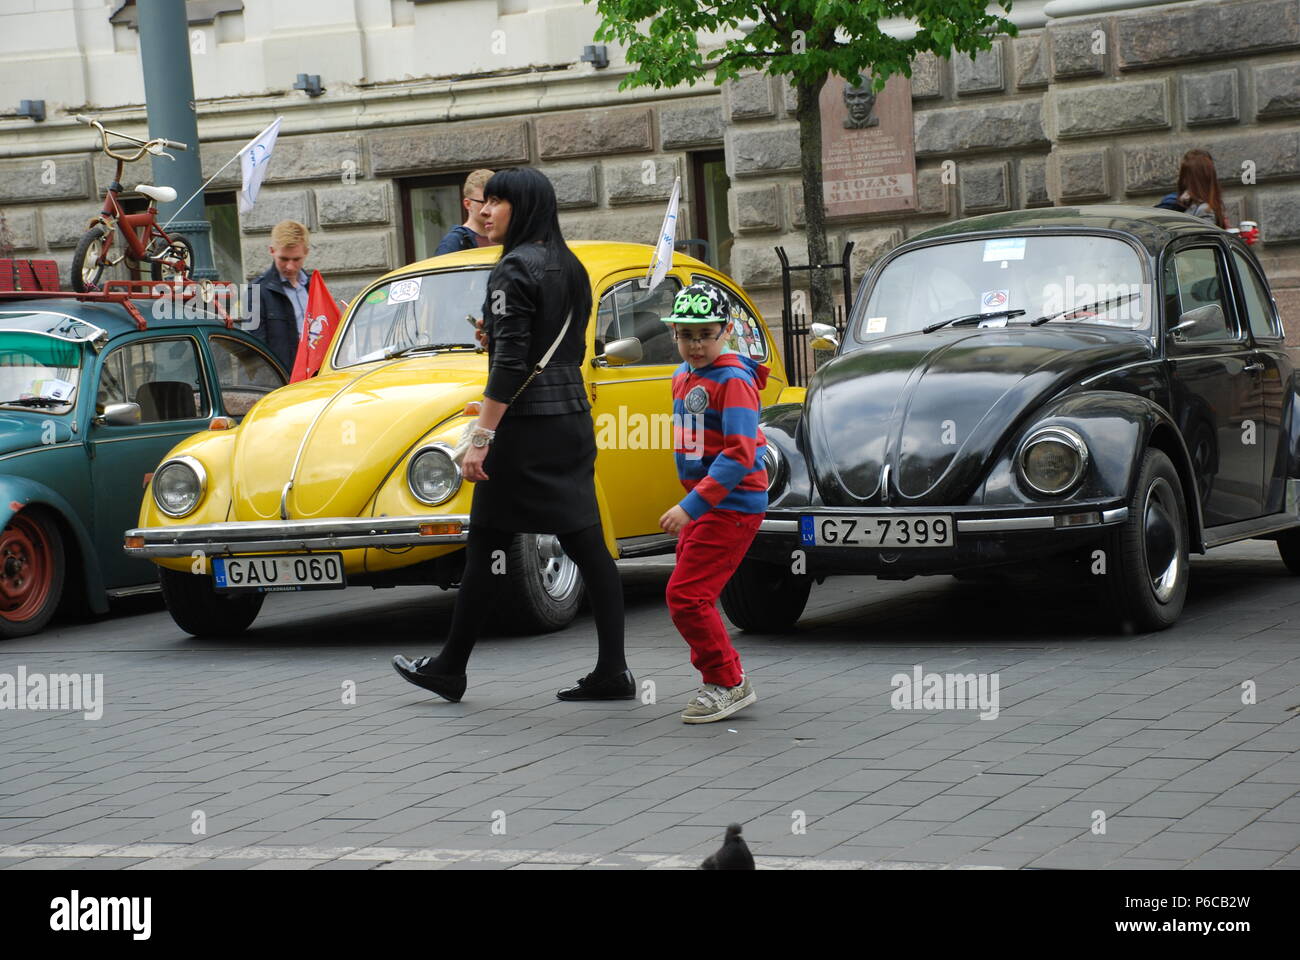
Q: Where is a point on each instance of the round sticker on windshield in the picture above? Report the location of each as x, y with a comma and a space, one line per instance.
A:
403, 291
697, 401
377, 296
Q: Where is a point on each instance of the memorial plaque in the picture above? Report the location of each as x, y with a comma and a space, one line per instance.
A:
868, 164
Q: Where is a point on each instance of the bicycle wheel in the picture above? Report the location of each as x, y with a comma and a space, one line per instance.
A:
88, 259
179, 249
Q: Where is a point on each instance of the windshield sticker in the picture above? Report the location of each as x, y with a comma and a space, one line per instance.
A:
403, 291
995, 299
1004, 248
876, 324
377, 296
53, 389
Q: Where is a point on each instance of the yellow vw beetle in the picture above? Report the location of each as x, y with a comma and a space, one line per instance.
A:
347, 479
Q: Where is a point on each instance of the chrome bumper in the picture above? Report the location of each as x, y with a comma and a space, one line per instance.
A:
964, 525
279, 536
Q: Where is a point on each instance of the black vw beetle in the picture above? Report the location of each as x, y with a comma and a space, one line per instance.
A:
1091, 390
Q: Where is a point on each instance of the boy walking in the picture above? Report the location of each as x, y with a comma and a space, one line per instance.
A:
716, 401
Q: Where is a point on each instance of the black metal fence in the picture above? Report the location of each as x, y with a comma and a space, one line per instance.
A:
800, 358
796, 327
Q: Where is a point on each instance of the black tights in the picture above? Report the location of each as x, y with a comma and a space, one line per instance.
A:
479, 588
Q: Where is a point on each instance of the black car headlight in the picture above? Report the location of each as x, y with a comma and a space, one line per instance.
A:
1052, 460
433, 475
179, 485
774, 464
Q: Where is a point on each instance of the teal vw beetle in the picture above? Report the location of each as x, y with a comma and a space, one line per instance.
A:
93, 392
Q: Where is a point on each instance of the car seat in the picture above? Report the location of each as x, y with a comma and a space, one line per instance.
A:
166, 400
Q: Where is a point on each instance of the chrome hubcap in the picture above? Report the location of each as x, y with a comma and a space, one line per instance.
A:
559, 573
1163, 538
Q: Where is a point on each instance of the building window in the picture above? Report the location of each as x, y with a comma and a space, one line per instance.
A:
709, 209
430, 207
223, 215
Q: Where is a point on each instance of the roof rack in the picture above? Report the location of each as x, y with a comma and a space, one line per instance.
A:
124, 291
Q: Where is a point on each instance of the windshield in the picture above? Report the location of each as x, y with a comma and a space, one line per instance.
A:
38, 371
413, 310
1043, 276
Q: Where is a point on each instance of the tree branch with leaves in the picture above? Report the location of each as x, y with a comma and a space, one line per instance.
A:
806, 41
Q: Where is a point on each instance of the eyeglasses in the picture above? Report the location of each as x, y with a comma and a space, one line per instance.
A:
684, 336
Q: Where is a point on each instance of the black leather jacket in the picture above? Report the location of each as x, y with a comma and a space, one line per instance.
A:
523, 312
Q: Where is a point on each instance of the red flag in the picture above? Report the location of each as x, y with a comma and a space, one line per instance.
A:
319, 323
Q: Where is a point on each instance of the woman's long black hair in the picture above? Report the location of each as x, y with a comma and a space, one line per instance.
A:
533, 217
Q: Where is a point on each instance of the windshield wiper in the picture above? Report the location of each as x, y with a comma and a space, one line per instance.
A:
34, 402
971, 318
1113, 302
392, 352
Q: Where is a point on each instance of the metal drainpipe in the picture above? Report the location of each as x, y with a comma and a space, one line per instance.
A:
169, 101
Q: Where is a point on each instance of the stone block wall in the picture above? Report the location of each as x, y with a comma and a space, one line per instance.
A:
613, 172
1083, 111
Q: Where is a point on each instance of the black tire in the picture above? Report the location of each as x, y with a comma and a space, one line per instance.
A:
32, 570
88, 279
1288, 547
765, 597
543, 587
199, 609
1147, 567
178, 243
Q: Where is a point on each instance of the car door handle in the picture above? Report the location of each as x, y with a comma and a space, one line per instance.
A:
1253, 368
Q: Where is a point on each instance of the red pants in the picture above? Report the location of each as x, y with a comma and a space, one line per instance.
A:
708, 551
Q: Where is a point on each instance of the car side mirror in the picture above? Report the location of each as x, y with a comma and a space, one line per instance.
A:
825, 337
120, 415
1208, 317
619, 353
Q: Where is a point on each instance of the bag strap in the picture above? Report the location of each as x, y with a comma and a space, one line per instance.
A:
546, 358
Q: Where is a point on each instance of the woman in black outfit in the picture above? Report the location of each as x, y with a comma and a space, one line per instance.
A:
533, 452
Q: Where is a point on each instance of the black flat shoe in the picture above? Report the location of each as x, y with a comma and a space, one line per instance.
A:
617, 686
448, 686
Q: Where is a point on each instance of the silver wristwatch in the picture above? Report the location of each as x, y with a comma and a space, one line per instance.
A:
481, 437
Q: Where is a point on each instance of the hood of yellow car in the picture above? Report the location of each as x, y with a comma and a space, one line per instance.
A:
345, 431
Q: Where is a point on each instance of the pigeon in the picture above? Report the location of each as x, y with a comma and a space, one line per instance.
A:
732, 855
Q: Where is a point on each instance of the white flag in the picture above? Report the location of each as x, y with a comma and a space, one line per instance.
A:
253, 160
663, 258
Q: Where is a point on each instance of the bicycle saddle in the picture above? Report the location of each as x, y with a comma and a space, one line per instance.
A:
161, 194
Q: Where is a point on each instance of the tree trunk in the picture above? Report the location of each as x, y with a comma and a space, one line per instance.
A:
808, 113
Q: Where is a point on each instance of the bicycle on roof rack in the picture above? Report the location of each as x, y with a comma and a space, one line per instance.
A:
170, 257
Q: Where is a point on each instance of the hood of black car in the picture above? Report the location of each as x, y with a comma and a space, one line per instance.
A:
934, 408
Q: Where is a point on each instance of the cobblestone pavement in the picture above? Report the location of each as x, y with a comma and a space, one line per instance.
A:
252, 739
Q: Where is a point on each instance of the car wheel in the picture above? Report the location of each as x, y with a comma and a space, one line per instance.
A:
31, 573
544, 586
765, 597
1288, 546
198, 608
1148, 566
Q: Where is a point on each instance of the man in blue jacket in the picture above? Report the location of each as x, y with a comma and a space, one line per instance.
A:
282, 291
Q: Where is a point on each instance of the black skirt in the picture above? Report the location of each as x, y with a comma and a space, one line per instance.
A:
541, 476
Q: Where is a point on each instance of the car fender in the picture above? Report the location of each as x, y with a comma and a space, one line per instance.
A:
1118, 428
781, 424
16, 493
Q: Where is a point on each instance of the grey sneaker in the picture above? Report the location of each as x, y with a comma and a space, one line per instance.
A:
714, 702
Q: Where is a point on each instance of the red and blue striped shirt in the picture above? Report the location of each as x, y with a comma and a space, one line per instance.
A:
719, 447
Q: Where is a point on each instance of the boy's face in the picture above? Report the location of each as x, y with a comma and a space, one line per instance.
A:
706, 345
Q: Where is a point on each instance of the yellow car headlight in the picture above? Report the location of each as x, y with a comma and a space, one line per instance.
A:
433, 476
179, 485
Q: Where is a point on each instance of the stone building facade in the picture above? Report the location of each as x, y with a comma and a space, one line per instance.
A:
1094, 101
